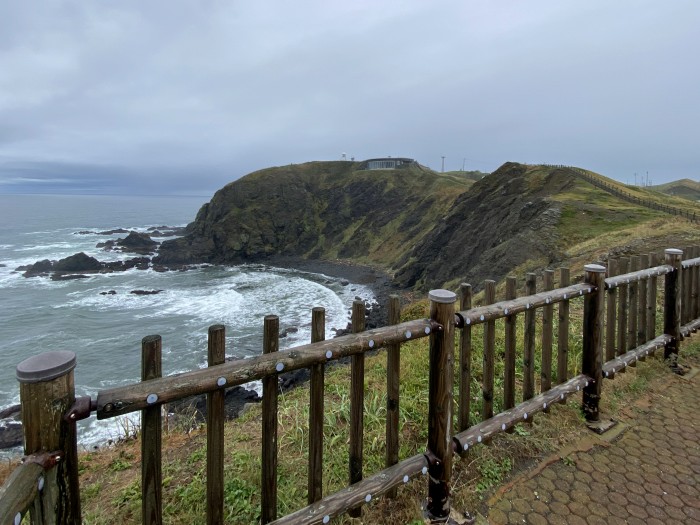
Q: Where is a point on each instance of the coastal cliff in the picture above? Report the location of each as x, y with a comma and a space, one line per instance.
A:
425, 229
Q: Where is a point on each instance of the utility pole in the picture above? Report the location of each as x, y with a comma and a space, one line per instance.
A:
443, 164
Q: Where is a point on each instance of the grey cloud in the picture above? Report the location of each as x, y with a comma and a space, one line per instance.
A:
178, 96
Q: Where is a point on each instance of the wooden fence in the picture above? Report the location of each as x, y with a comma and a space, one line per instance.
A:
615, 190
618, 329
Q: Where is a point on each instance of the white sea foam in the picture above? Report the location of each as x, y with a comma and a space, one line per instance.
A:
105, 330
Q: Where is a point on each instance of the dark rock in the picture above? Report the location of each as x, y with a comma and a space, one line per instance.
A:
192, 411
10, 427
293, 379
137, 243
140, 263
107, 246
38, 268
111, 292
10, 434
11, 411
344, 282
80, 262
114, 232
145, 292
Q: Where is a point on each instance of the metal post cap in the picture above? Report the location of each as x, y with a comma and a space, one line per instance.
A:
673, 251
597, 268
442, 296
45, 367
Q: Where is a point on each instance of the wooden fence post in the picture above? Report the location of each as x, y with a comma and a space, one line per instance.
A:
622, 313
610, 313
652, 290
692, 285
357, 402
393, 382
510, 348
47, 391
151, 436
592, 358
696, 287
547, 331
643, 298
633, 305
686, 281
270, 384
489, 355
672, 305
465, 360
529, 346
316, 411
563, 331
216, 355
441, 372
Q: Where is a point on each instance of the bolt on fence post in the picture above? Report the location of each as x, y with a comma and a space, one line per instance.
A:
672, 305
47, 391
439, 453
592, 358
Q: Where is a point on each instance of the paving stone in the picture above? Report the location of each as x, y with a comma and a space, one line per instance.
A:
649, 475
497, 517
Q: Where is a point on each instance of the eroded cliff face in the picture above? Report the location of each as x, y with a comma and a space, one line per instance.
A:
504, 221
426, 228
323, 210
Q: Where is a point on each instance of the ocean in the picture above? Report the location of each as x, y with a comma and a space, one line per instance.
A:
105, 330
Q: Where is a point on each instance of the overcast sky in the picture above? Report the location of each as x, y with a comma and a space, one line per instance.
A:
182, 97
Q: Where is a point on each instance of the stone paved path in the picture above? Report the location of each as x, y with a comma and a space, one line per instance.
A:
649, 474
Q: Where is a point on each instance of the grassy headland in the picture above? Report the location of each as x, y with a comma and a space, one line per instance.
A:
428, 230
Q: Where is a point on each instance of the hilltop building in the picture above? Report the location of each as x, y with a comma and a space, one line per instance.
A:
388, 163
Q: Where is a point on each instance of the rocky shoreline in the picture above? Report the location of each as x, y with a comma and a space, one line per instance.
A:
192, 412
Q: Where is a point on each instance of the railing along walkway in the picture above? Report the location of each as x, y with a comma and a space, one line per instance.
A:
618, 329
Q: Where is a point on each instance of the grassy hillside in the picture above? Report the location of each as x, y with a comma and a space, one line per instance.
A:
321, 210
427, 229
684, 188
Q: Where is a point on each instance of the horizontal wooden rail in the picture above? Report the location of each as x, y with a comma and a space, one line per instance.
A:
633, 277
24, 485
628, 358
130, 398
482, 314
522, 412
691, 262
358, 494
19, 491
690, 328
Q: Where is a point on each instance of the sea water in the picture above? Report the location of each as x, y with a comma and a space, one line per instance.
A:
105, 330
